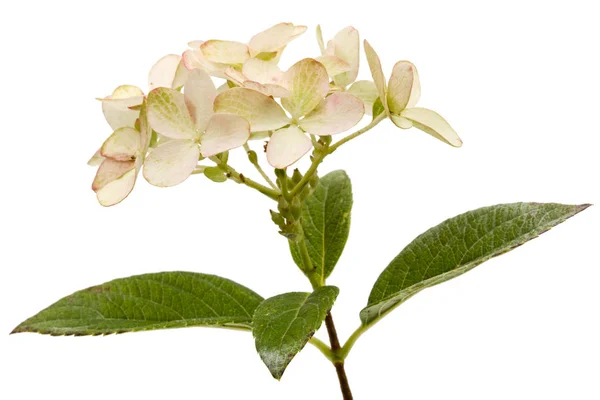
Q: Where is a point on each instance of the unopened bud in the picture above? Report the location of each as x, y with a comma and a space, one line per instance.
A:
296, 177
252, 157
278, 219
314, 181
296, 208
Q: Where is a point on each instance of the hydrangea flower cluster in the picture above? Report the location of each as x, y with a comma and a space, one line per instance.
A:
185, 119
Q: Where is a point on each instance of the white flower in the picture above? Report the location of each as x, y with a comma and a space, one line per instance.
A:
401, 95
311, 109
341, 56
192, 129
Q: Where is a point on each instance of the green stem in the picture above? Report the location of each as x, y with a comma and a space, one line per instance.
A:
260, 170
345, 350
239, 178
356, 134
323, 348
309, 174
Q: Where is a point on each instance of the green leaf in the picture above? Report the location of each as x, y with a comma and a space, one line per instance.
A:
326, 222
459, 245
284, 324
144, 302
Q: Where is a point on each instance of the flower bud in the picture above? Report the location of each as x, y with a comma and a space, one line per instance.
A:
278, 219
314, 181
296, 208
296, 177
283, 206
252, 157
215, 174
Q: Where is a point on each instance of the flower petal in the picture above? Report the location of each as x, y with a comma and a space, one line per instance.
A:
401, 87
320, 41
263, 113
169, 116
401, 122
235, 76
171, 163
123, 145
116, 106
336, 113
181, 76
268, 89
366, 91
199, 94
262, 71
117, 190
163, 72
96, 159
225, 52
377, 73
308, 83
334, 65
346, 45
110, 170
194, 58
224, 132
274, 38
431, 122
287, 146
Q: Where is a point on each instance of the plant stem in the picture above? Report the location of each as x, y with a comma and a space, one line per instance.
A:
338, 362
345, 350
356, 134
260, 170
239, 178
323, 348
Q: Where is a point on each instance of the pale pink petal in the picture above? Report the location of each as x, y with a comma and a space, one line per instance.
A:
181, 76
116, 107
377, 73
224, 132
346, 45
274, 38
116, 191
308, 83
334, 65
225, 52
195, 44
199, 94
287, 146
193, 59
163, 72
169, 116
401, 122
366, 91
109, 171
263, 113
401, 87
171, 163
123, 145
262, 71
431, 122
96, 159
268, 89
336, 113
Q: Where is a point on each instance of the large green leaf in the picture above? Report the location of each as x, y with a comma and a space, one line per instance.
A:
284, 324
326, 222
458, 245
152, 301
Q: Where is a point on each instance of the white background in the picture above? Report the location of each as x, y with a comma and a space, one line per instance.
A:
518, 80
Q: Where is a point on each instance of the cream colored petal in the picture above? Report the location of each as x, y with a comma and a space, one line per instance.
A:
287, 146
320, 41
262, 71
224, 132
181, 76
96, 159
347, 47
116, 191
169, 116
195, 44
225, 52
268, 89
235, 76
403, 87
377, 73
123, 145
336, 113
116, 107
401, 122
334, 65
171, 163
224, 87
431, 122
308, 83
109, 171
163, 72
199, 94
366, 91
263, 113
274, 38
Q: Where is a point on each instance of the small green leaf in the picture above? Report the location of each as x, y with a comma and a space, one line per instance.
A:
459, 245
284, 324
145, 302
215, 174
326, 222
377, 108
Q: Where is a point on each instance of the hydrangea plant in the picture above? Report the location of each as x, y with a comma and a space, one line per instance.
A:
186, 125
